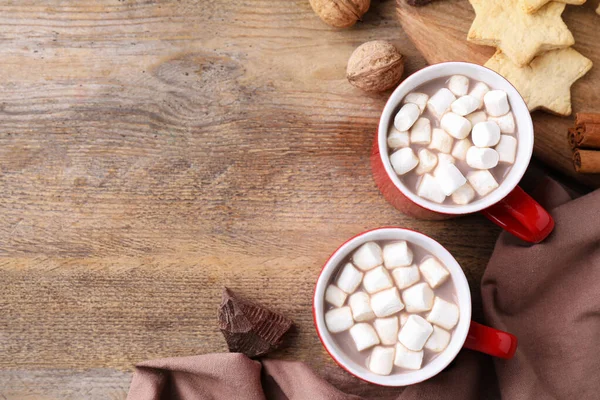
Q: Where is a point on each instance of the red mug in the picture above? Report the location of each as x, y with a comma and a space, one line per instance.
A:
467, 334
508, 206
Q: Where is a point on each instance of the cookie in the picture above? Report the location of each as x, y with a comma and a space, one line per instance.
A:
531, 6
546, 82
521, 36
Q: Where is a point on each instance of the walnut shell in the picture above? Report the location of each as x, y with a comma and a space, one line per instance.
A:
375, 66
340, 13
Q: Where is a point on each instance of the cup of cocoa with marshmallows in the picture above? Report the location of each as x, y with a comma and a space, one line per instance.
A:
456, 138
393, 307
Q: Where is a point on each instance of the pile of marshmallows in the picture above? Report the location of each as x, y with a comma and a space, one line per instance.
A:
380, 303
459, 117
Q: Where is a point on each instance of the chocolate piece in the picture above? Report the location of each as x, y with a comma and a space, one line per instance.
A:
249, 328
418, 3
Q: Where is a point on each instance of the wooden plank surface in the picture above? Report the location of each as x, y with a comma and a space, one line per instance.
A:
440, 29
152, 152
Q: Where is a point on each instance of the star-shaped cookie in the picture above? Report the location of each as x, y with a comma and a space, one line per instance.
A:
531, 6
546, 82
521, 36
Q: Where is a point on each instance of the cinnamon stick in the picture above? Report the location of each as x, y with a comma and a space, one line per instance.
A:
571, 138
586, 134
587, 118
586, 161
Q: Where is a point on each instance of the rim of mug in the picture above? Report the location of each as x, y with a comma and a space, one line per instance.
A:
523, 121
463, 294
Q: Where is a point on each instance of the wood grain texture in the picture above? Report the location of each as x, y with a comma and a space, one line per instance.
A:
439, 31
152, 152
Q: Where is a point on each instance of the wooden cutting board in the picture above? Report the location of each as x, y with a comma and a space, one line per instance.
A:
439, 31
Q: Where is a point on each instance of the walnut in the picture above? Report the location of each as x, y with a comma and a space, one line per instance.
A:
340, 13
375, 66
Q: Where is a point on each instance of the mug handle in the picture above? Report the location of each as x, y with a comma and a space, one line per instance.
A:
519, 214
491, 341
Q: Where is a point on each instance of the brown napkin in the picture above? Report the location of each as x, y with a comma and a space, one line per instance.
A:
548, 295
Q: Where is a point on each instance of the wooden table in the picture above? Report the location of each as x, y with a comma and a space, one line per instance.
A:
152, 152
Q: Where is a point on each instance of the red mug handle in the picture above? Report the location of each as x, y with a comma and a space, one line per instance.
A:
521, 215
491, 341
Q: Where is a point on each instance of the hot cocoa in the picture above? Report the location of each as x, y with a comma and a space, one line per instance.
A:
453, 140
391, 306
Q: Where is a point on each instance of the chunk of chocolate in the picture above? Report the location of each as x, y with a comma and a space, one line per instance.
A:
249, 328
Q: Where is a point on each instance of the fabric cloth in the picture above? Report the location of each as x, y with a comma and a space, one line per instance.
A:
548, 295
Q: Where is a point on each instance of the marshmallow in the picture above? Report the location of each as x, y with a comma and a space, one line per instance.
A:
438, 340
441, 141
457, 126
335, 296
458, 84
397, 139
377, 279
440, 102
408, 359
349, 279
339, 319
482, 181
404, 160
463, 195
449, 178
386, 302
427, 162
478, 91
387, 329
397, 254
477, 116
506, 122
406, 276
364, 336
430, 189
368, 256
360, 304
403, 318
460, 149
486, 134
381, 361
496, 103
415, 333
406, 117
464, 105
418, 298
421, 131
507, 149
482, 158
434, 272
443, 314
444, 159
420, 99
